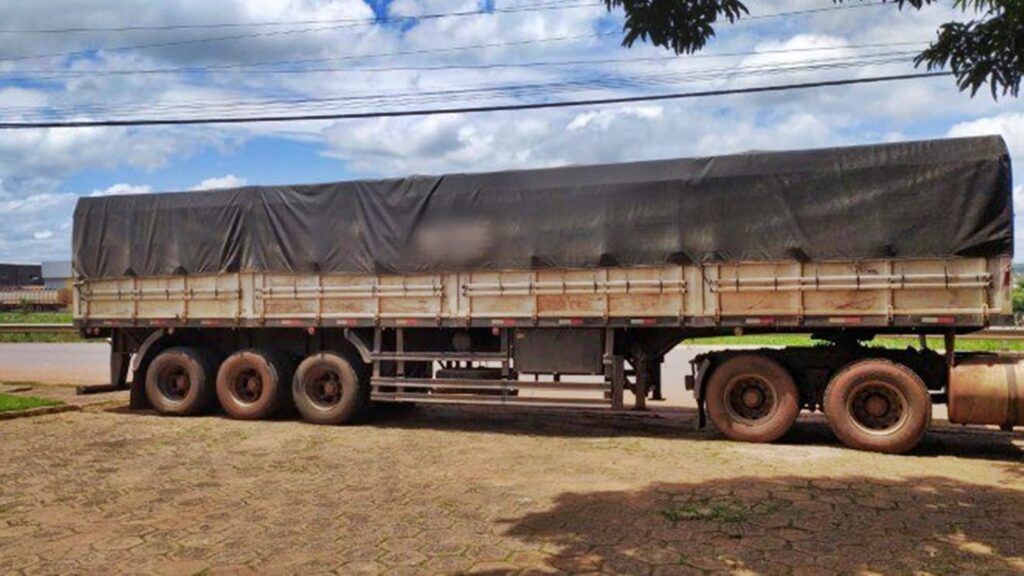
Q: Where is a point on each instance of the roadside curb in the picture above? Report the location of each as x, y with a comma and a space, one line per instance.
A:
43, 411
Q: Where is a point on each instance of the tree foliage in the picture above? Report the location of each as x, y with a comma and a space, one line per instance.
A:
983, 50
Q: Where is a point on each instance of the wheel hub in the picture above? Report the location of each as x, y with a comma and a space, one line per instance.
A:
877, 407
175, 383
325, 389
248, 386
750, 397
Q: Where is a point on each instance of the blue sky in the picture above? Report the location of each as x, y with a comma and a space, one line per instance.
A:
43, 172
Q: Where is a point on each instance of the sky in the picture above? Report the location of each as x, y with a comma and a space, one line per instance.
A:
235, 57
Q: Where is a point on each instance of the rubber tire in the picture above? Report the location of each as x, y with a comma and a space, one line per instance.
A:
786, 393
274, 372
841, 421
355, 394
201, 369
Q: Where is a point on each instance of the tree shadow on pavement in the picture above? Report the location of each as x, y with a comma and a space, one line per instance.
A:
782, 525
676, 422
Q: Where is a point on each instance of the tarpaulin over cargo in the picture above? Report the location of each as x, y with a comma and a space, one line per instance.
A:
939, 198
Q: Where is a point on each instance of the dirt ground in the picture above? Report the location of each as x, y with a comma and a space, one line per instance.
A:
446, 490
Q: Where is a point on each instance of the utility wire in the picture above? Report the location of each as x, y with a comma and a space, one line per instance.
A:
306, 30
359, 21
461, 110
550, 5
247, 36
514, 90
54, 74
452, 96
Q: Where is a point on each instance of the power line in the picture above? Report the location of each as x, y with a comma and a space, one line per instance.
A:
269, 23
194, 41
460, 110
259, 69
306, 30
817, 10
462, 93
470, 94
384, 19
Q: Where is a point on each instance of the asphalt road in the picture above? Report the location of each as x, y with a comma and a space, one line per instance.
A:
55, 363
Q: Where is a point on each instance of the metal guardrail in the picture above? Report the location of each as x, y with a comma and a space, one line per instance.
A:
37, 329
1002, 333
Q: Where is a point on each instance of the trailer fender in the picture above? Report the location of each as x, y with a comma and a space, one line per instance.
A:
701, 366
360, 346
144, 348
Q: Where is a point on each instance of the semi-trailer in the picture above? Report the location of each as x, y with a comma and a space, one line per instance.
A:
566, 287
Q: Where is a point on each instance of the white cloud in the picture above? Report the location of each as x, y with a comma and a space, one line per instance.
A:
42, 234
1009, 126
228, 181
122, 189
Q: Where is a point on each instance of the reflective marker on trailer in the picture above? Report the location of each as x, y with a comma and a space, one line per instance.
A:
938, 319
846, 320
764, 321
643, 321
570, 322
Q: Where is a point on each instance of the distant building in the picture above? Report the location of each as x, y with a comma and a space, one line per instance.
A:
57, 274
21, 275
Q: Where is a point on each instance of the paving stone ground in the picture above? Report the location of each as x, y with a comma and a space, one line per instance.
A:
445, 490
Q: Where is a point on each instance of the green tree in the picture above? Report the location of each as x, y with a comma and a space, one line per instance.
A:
1018, 297
984, 50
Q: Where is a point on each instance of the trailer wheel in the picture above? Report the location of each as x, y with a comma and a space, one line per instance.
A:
878, 405
252, 383
752, 398
179, 381
327, 390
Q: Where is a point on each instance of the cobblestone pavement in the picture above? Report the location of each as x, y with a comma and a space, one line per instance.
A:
444, 490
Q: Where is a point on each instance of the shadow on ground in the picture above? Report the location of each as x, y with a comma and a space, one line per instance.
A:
673, 422
769, 526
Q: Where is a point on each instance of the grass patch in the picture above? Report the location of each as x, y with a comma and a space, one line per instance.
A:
35, 317
934, 342
41, 338
721, 510
725, 511
11, 403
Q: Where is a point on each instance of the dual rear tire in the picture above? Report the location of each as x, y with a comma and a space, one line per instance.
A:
328, 389
752, 398
179, 381
878, 405
252, 384
872, 404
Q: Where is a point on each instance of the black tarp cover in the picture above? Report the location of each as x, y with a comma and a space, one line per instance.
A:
937, 198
